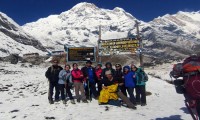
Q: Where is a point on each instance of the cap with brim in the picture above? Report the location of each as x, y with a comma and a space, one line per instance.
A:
108, 72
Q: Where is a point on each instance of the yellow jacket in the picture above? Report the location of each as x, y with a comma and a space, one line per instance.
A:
109, 93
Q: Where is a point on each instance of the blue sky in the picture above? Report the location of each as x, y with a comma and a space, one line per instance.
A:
24, 11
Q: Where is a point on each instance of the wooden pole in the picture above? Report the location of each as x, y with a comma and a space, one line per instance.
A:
140, 45
98, 45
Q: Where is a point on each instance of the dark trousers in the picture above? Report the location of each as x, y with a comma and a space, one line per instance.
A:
130, 92
99, 84
53, 85
68, 92
123, 89
141, 94
91, 90
62, 90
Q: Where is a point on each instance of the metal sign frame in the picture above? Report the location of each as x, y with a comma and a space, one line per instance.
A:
67, 49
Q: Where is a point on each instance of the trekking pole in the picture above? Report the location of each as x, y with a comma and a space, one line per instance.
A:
89, 90
65, 92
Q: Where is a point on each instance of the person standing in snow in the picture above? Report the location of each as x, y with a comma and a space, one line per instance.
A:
52, 75
140, 86
98, 72
65, 83
90, 77
130, 81
77, 78
120, 78
108, 66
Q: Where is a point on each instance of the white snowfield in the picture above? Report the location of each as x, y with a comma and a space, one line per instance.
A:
24, 96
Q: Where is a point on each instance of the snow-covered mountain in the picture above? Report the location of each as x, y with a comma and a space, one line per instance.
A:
79, 26
15, 40
177, 34
170, 35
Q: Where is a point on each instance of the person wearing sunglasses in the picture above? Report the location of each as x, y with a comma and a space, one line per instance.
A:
120, 78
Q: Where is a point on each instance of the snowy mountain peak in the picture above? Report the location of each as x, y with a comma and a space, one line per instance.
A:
118, 9
83, 6
7, 22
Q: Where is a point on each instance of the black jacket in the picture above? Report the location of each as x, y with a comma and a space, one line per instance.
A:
119, 76
107, 82
52, 73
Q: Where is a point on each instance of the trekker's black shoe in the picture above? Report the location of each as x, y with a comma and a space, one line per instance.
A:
51, 102
85, 101
56, 100
143, 104
78, 100
134, 108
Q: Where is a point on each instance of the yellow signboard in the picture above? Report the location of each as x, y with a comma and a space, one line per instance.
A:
120, 45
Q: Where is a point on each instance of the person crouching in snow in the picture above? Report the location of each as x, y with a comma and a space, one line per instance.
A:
77, 78
110, 93
129, 78
65, 82
109, 89
140, 86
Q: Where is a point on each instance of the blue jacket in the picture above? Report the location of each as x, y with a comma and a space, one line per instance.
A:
130, 81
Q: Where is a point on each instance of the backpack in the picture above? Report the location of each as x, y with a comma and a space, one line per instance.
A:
192, 85
145, 77
190, 71
177, 70
191, 64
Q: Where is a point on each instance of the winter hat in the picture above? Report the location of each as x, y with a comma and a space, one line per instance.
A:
99, 64
126, 67
108, 63
88, 61
108, 72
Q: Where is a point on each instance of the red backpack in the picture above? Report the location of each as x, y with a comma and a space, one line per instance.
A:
191, 64
191, 69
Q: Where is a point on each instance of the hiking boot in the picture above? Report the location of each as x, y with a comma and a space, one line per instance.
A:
143, 104
72, 102
96, 98
64, 101
51, 102
133, 107
78, 100
85, 101
56, 100
138, 103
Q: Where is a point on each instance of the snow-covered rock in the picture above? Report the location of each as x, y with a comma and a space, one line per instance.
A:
15, 40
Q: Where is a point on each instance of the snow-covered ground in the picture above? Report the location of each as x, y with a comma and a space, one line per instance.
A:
24, 96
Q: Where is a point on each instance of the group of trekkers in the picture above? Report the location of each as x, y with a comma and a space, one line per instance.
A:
108, 85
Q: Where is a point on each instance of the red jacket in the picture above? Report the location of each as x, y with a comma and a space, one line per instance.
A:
98, 73
77, 75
